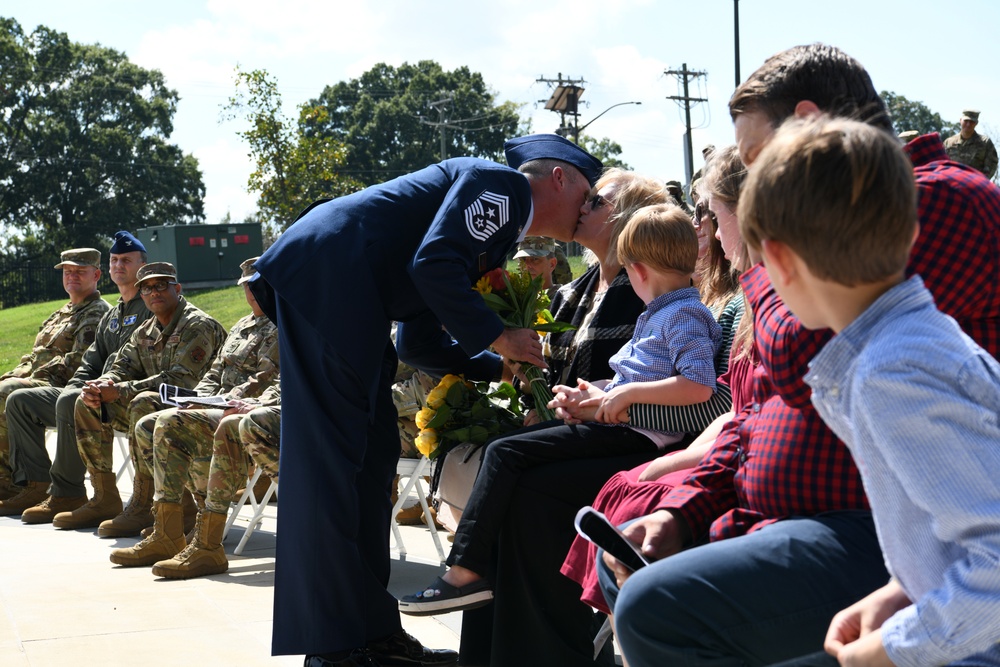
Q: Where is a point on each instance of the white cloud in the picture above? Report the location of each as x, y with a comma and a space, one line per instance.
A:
226, 166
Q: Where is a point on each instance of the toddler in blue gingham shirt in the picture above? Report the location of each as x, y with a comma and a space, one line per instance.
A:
671, 357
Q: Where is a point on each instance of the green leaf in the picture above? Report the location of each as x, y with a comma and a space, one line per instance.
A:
554, 327
496, 303
441, 417
505, 390
458, 395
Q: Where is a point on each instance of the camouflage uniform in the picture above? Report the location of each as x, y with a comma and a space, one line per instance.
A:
256, 433
409, 388
176, 354
977, 151
246, 366
31, 410
563, 273
57, 353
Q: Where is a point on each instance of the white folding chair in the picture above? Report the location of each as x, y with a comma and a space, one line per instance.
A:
121, 439
413, 470
257, 516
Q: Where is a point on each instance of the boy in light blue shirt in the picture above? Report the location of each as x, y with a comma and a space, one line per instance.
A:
832, 206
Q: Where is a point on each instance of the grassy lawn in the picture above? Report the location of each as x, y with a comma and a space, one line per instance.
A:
20, 325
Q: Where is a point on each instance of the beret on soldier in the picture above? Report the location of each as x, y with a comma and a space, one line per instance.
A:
552, 147
125, 242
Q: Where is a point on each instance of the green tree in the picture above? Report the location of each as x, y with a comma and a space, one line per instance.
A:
913, 115
83, 140
292, 169
605, 150
392, 120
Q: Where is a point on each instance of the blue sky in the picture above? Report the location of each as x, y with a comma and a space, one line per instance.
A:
943, 54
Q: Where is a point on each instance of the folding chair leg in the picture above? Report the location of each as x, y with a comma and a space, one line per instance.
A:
256, 519
247, 496
126, 467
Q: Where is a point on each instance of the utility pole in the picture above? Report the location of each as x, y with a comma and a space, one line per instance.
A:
684, 75
736, 33
441, 107
565, 101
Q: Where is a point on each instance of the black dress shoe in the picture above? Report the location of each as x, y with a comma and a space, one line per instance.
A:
357, 658
403, 650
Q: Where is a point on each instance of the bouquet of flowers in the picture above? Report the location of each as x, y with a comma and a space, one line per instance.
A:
521, 303
460, 411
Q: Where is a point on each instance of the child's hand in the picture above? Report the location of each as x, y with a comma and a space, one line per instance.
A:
612, 407
566, 401
854, 636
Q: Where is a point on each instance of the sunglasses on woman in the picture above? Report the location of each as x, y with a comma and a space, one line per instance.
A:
597, 201
700, 211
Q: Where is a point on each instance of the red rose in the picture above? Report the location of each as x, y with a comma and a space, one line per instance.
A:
496, 277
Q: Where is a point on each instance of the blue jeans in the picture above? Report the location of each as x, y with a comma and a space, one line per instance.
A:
755, 599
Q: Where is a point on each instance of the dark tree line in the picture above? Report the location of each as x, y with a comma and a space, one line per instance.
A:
84, 146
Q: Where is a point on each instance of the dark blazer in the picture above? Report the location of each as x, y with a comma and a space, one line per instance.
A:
402, 250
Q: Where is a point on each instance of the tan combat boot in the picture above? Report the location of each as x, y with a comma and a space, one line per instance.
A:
203, 556
136, 515
105, 504
167, 538
46, 510
191, 503
28, 496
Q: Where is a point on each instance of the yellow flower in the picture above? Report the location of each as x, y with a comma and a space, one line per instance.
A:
541, 319
424, 417
483, 285
448, 380
427, 441
436, 396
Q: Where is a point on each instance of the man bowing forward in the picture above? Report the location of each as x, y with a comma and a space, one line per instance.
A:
334, 281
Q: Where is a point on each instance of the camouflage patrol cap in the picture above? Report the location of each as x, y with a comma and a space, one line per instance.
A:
79, 257
156, 270
908, 135
535, 246
248, 267
970, 114
676, 191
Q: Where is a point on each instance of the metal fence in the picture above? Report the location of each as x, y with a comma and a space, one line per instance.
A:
32, 281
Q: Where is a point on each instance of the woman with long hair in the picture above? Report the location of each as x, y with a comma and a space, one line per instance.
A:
637, 492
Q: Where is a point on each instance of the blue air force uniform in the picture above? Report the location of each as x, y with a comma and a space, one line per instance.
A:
407, 250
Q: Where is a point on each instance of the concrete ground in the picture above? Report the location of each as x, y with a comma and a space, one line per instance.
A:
62, 602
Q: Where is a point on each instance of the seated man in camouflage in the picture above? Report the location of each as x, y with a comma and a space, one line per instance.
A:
31, 411
247, 365
55, 356
254, 428
175, 346
408, 395
537, 257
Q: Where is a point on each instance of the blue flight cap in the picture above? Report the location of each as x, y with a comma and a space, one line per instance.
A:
125, 242
553, 147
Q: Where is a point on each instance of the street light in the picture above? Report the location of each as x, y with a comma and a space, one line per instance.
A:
577, 129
